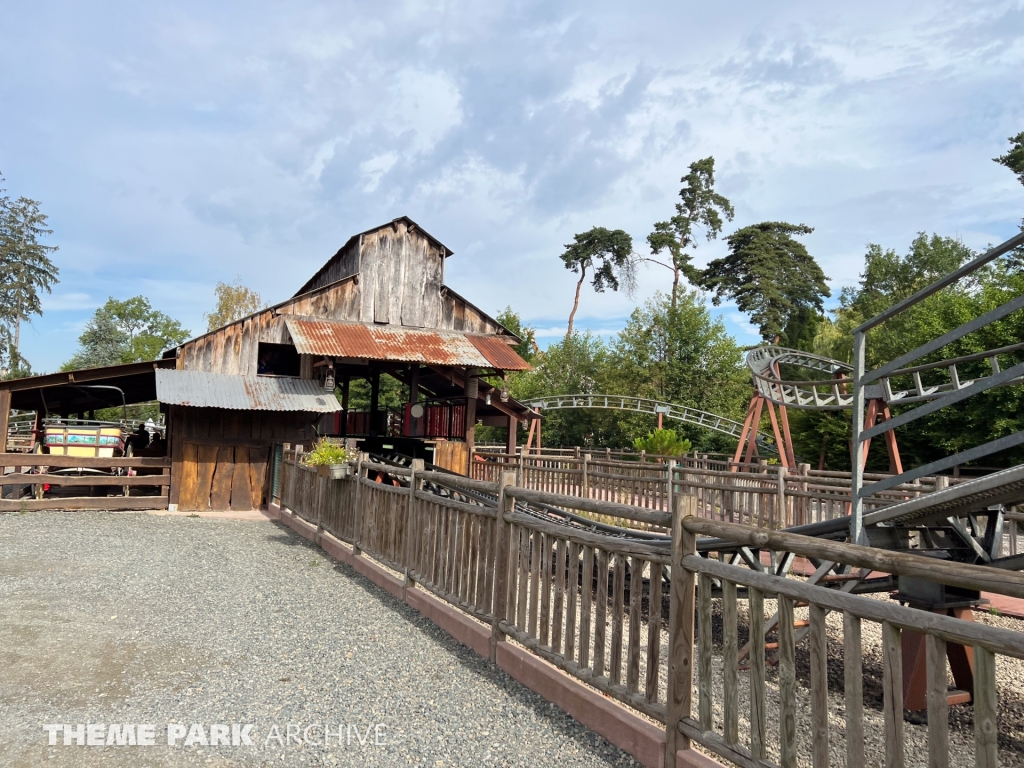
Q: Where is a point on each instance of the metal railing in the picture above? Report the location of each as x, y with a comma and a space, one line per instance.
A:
931, 398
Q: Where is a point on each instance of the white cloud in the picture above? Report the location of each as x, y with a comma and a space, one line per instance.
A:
204, 142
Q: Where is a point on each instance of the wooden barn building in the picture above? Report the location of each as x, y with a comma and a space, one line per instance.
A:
378, 307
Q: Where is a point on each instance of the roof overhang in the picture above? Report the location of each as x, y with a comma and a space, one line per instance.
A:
364, 341
199, 389
71, 392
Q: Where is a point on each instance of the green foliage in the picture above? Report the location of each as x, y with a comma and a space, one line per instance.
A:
234, 302
609, 253
699, 206
125, 332
1014, 158
326, 453
889, 278
769, 274
681, 356
527, 349
662, 442
25, 271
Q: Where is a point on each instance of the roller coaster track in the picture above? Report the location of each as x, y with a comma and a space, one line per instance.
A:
671, 411
896, 386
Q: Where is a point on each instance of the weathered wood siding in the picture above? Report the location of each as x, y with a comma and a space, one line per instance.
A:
399, 282
341, 265
219, 457
401, 272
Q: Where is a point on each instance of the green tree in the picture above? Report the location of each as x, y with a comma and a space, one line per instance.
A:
610, 254
234, 302
574, 365
25, 271
125, 332
1014, 160
888, 278
699, 207
1014, 157
682, 356
769, 274
527, 348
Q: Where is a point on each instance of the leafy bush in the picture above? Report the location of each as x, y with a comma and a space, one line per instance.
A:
662, 442
326, 453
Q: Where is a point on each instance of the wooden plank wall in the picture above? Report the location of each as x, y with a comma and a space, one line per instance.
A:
452, 455
219, 457
400, 282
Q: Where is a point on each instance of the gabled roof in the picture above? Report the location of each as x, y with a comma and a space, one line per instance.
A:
410, 224
367, 341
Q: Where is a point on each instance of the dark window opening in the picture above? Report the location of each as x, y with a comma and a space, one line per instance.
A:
278, 360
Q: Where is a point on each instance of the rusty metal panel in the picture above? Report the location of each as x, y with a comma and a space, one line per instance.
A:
200, 389
500, 354
395, 343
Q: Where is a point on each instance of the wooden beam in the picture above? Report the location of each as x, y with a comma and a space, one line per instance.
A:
92, 462
5, 414
84, 503
85, 480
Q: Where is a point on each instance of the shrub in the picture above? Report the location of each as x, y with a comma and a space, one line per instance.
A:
662, 442
326, 453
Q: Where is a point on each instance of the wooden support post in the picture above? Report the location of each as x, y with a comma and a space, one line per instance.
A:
5, 416
755, 422
529, 435
471, 390
779, 442
357, 538
895, 463
787, 436
682, 604
374, 430
510, 438
344, 406
413, 428
411, 516
502, 539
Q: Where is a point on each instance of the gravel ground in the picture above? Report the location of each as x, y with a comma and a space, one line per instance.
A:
133, 618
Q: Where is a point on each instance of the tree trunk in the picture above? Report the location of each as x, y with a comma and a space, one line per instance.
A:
576, 302
675, 288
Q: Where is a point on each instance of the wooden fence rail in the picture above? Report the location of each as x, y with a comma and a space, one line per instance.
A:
638, 618
113, 483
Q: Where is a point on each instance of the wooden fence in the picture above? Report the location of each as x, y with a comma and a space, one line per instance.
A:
637, 619
114, 484
766, 495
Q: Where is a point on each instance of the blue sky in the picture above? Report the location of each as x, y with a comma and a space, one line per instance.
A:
176, 145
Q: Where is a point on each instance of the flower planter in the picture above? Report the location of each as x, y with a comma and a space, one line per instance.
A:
334, 471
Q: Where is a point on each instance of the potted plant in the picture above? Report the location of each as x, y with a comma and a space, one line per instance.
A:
330, 459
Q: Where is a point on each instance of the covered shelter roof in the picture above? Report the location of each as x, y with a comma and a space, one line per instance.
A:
87, 388
200, 389
363, 341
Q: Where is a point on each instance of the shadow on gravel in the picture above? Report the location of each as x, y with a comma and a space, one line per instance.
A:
1010, 714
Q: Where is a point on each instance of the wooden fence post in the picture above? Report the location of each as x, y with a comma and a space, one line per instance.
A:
670, 488
801, 518
297, 458
410, 525
782, 522
502, 536
682, 603
357, 513
585, 482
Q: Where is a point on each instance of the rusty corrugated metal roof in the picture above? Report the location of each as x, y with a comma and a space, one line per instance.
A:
200, 389
400, 344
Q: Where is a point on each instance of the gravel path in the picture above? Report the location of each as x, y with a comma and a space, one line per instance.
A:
133, 618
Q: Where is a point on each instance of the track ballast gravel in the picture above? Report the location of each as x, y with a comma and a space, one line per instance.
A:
135, 618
